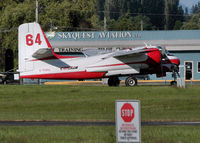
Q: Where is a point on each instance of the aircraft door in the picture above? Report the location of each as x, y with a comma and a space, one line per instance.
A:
188, 70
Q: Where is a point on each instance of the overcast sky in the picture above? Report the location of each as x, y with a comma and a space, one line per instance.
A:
189, 3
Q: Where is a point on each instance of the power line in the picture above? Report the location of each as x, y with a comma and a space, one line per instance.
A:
8, 30
137, 13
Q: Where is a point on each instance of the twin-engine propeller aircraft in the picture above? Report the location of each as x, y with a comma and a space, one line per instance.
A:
38, 60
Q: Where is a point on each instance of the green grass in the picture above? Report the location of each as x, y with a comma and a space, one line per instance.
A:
33, 102
68, 134
57, 134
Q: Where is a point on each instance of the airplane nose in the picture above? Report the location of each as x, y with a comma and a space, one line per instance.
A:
175, 61
154, 56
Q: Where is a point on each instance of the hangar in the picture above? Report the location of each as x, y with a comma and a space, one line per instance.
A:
185, 44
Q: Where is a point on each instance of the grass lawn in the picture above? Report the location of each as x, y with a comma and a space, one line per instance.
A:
93, 103
33, 102
68, 134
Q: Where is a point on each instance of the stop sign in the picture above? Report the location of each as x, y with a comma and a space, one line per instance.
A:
127, 112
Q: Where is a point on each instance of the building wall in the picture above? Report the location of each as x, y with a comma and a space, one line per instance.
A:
172, 40
185, 44
194, 57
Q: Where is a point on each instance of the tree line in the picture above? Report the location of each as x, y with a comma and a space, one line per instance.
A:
93, 15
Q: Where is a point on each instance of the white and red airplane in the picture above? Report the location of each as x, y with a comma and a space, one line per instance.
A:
38, 60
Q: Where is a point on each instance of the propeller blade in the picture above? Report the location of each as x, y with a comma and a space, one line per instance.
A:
163, 51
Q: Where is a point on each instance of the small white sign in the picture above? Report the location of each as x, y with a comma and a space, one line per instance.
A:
128, 122
16, 76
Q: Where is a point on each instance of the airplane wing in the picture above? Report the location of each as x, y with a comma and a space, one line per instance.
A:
43, 53
129, 53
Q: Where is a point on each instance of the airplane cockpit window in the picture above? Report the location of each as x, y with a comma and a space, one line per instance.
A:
75, 54
165, 51
159, 47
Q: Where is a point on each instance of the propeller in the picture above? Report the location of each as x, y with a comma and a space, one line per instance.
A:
163, 55
163, 51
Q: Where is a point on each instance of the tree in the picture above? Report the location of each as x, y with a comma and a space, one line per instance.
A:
195, 8
127, 22
123, 23
178, 25
154, 9
173, 13
14, 14
67, 15
193, 23
99, 5
146, 23
111, 9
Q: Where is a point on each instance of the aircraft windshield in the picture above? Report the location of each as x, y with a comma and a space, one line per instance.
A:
166, 51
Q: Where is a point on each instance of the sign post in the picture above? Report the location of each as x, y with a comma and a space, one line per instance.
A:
128, 122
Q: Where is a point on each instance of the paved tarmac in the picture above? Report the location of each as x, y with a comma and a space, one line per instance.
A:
98, 123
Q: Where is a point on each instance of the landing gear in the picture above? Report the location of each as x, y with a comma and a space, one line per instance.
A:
173, 83
131, 81
113, 81
174, 75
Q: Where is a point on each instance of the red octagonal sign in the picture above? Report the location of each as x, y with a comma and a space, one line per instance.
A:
127, 112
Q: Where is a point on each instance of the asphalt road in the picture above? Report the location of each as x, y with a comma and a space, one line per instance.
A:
79, 123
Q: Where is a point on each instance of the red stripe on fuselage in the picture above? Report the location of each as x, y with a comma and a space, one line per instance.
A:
56, 55
69, 75
48, 44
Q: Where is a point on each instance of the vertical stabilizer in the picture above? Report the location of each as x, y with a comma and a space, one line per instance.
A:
31, 38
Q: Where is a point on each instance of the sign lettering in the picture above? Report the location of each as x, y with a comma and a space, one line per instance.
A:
29, 40
38, 40
128, 122
102, 35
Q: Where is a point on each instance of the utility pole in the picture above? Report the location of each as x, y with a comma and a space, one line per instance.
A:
105, 23
166, 15
36, 11
142, 22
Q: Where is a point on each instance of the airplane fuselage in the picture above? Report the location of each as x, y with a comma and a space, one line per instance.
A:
90, 67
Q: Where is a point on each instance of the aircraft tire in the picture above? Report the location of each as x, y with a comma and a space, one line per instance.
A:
173, 83
131, 81
113, 81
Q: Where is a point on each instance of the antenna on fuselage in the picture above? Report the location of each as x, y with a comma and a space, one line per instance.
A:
145, 44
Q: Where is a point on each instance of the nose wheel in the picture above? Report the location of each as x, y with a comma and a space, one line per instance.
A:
174, 75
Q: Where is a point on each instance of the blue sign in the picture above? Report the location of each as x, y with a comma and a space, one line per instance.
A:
123, 35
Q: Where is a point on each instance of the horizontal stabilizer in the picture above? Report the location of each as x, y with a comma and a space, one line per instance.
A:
43, 53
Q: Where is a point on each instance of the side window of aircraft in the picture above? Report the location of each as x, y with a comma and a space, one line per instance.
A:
75, 54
